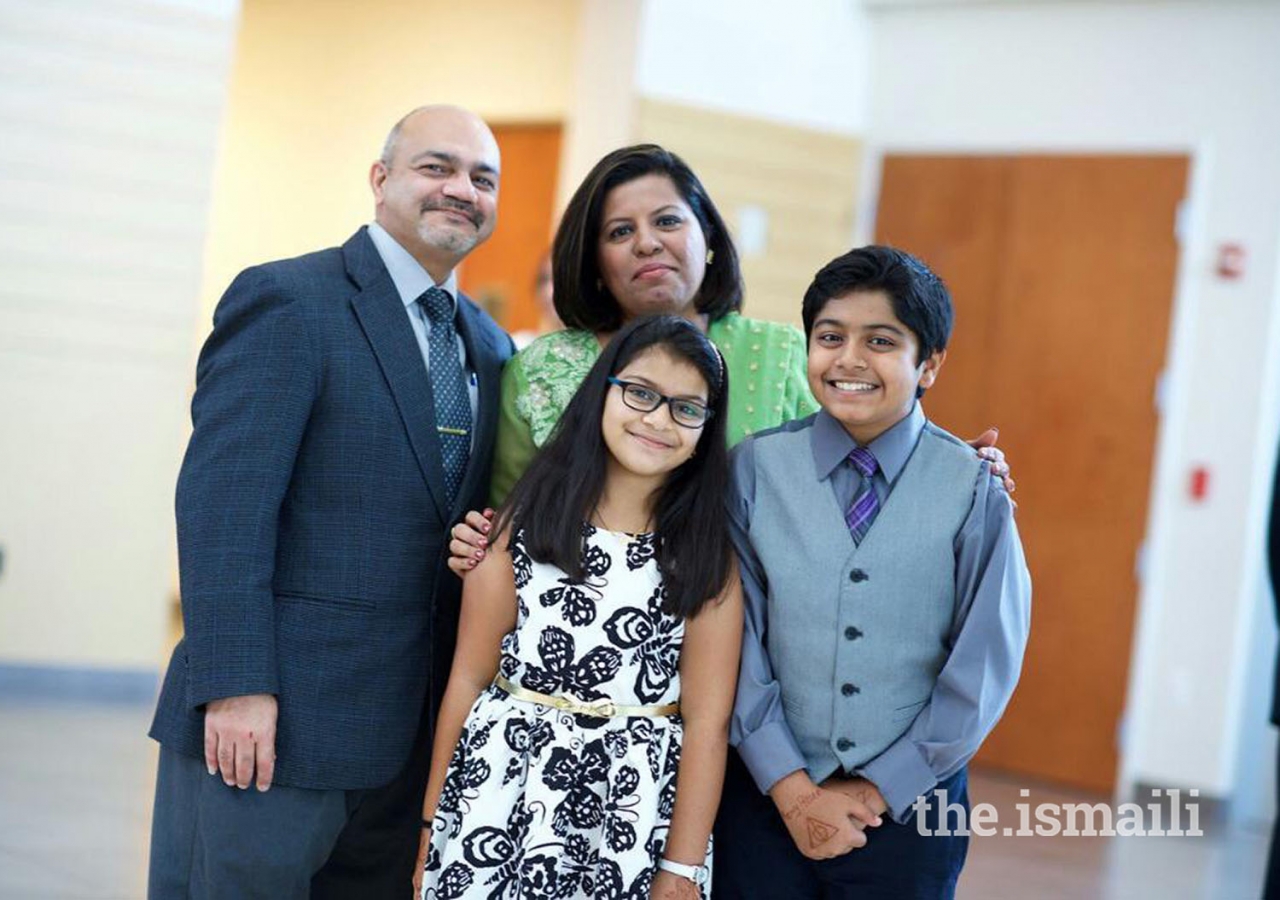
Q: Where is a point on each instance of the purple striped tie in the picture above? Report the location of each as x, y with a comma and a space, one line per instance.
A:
862, 512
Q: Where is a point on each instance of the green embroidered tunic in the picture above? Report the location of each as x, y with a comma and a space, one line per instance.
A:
768, 385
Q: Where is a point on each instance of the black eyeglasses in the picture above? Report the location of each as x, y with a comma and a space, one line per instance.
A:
642, 398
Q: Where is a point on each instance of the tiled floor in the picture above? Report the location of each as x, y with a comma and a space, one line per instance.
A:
75, 798
75, 801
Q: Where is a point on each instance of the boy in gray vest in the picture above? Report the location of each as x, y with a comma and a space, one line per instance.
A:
888, 604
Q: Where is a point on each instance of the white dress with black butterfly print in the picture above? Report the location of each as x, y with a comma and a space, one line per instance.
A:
540, 803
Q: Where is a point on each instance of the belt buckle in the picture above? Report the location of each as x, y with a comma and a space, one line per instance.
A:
563, 703
600, 709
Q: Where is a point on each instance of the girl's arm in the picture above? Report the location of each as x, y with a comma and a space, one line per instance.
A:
488, 613
513, 451
708, 675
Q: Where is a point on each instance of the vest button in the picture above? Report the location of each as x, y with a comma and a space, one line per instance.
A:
857, 576
849, 689
844, 745
852, 634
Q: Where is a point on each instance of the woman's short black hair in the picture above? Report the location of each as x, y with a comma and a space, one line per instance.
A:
581, 299
920, 300
561, 488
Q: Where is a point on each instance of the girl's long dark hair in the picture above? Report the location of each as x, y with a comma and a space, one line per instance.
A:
562, 486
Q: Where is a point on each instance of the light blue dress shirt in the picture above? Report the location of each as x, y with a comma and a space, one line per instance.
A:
412, 281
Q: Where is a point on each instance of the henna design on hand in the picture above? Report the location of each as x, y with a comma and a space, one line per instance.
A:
819, 832
802, 804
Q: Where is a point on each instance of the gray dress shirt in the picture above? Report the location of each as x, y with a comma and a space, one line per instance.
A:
988, 637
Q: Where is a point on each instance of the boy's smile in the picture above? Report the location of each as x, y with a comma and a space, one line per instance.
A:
863, 365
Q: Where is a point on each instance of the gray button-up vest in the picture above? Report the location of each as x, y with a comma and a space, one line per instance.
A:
858, 633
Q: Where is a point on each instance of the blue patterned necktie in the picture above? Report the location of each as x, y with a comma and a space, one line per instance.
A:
448, 388
862, 512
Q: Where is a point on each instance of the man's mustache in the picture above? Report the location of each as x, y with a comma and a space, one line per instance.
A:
466, 209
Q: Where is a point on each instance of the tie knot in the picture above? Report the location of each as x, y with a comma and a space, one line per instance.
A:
438, 304
864, 461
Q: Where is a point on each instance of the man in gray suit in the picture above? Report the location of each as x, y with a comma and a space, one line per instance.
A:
344, 418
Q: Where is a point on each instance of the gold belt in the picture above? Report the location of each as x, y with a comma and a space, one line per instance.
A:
601, 709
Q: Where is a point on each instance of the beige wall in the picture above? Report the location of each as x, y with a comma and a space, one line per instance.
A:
110, 119
172, 147
604, 90
783, 152
317, 83
798, 184
143, 140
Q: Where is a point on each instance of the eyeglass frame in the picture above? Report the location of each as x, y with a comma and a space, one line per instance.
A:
662, 398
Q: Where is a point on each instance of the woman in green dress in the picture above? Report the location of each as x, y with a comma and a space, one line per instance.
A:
641, 237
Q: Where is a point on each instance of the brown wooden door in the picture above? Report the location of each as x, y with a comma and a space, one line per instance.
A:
1062, 270
501, 274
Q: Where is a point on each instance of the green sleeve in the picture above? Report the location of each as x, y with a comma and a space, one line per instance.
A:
798, 400
515, 448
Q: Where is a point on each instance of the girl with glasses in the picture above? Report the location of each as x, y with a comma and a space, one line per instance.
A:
580, 748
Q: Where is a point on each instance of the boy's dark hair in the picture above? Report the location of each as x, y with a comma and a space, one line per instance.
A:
560, 489
920, 300
581, 300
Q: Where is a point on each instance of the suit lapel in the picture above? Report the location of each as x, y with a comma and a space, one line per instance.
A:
386, 326
486, 361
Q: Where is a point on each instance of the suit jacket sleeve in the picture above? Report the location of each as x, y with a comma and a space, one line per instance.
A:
255, 384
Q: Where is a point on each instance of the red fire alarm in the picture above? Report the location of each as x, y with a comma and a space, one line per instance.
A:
1230, 261
1199, 486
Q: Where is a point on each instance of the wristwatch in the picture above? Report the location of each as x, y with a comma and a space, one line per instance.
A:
699, 875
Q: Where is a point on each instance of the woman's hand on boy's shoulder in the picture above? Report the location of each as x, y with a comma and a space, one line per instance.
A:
469, 540
985, 444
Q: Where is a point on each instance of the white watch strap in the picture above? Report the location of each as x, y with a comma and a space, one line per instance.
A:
699, 875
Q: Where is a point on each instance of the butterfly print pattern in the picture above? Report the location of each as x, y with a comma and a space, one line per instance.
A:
542, 803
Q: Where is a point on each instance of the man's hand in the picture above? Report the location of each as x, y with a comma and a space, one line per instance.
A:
985, 444
823, 823
469, 539
859, 789
239, 737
